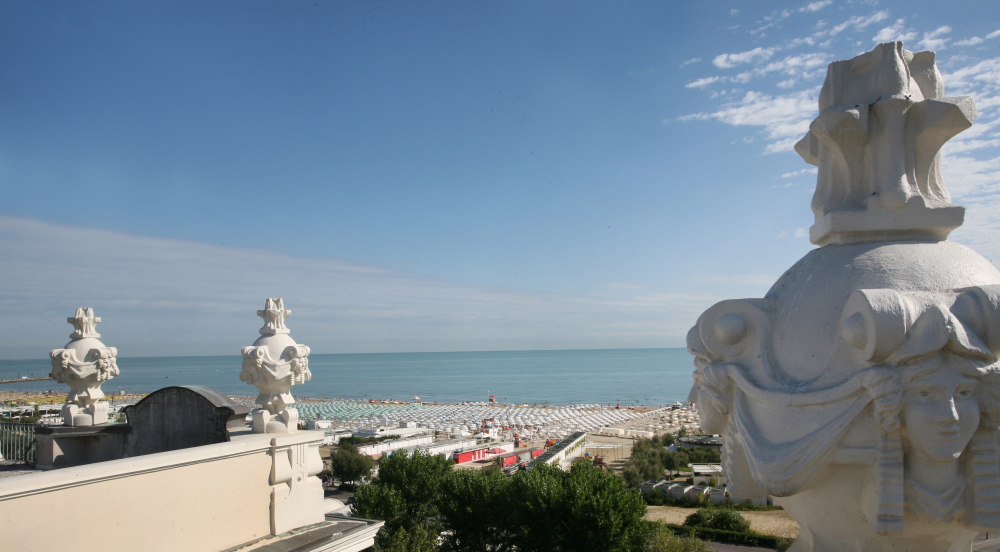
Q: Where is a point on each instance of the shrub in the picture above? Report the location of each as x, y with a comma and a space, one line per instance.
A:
718, 518
656, 536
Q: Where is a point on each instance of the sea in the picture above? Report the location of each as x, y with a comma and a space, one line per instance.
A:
609, 376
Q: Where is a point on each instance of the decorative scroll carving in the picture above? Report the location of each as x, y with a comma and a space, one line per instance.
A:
84, 364
296, 492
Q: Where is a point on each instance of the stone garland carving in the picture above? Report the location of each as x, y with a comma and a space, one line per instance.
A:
864, 389
274, 363
84, 364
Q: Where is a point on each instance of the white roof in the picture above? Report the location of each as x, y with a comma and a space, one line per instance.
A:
706, 468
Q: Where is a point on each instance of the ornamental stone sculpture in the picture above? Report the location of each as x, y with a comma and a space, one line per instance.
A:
274, 363
84, 364
864, 389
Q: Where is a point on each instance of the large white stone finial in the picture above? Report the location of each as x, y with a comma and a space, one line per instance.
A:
863, 391
84, 364
274, 363
883, 119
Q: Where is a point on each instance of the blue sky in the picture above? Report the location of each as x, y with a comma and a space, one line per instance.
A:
429, 176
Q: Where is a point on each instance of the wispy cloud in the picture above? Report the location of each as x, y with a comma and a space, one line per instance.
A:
728, 61
690, 61
994, 34
701, 83
805, 171
784, 118
972, 41
815, 6
161, 296
857, 22
894, 32
933, 40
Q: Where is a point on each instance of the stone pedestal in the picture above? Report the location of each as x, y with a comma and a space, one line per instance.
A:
296, 492
64, 446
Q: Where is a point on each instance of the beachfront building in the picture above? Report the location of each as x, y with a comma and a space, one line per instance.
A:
564, 450
704, 474
700, 441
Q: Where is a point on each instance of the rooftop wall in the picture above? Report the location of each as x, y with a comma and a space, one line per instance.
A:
206, 498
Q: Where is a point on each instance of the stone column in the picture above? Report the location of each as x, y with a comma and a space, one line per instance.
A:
84, 364
274, 363
864, 389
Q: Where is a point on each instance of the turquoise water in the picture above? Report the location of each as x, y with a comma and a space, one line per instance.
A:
628, 376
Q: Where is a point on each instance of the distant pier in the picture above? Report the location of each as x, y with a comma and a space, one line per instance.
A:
22, 380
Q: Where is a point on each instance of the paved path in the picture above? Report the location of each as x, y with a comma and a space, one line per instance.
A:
720, 547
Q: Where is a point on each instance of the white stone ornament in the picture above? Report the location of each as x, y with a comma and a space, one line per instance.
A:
877, 143
863, 390
274, 363
84, 364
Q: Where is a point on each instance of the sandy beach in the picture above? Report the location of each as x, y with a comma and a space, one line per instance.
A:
770, 522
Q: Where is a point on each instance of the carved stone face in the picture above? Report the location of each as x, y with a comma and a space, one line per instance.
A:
940, 412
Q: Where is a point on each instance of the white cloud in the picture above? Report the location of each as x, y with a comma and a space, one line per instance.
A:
785, 118
690, 61
162, 296
797, 67
975, 183
801, 233
734, 11
728, 61
858, 22
815, 6
933, 40
959, 146
702, 83
992, 35
981, 80
794, 174
968, 42
895, 32
781, 146
800, 65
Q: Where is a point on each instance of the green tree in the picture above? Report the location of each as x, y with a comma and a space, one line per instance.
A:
420, 538
348, 464
633, 478
601, 513
476, 508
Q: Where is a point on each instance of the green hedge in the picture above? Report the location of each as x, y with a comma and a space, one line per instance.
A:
749, 539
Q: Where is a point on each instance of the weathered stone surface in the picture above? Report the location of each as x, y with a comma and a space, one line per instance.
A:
863, 388
877, 142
